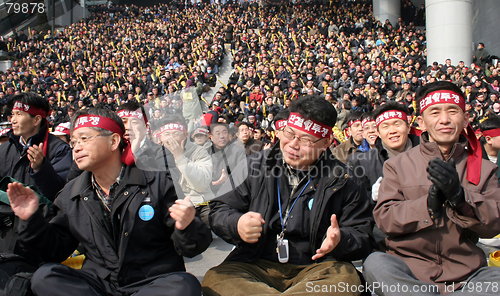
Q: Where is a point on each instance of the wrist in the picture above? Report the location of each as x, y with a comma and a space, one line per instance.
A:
458, 199
434, 213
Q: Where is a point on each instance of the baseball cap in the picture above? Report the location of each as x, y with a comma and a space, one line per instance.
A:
200, 130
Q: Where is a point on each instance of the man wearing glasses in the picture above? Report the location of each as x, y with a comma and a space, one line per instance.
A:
129, 221
297, 219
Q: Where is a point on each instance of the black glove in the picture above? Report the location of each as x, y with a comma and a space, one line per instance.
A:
445, 177
435, 202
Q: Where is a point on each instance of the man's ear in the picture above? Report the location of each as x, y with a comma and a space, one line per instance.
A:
421, 123
488, 140
328, 142
466, 119
115, 142
38, 120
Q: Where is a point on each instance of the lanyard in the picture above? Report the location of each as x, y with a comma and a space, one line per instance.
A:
283, 225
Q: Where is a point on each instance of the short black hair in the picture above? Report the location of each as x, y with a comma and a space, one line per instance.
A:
213, 125
492, 122
317, 109
355, 116
435, 86
32, 99
244, 123
103, 113
367, 115
282, 115
346, 105
390, 106
132, 106
174, 118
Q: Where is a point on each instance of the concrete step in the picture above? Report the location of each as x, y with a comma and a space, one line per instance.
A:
213, 256
223, 76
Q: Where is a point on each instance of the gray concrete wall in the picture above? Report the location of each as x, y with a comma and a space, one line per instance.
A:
387, 9
4, 65
66, 11
485, 25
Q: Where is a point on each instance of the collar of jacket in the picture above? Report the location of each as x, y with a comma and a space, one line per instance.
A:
364, 146
36, 139
430, 150
131, 176
336, 169
351, 145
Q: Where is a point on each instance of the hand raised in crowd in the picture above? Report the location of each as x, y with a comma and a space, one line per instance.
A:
222, 178
174, 147
267, 146
23, 200
135, 142
250, 227
35, 156
331, 240
183, 212
444, 176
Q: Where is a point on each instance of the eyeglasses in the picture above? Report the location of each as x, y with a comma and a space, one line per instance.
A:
303, 141
369, 127
84, 140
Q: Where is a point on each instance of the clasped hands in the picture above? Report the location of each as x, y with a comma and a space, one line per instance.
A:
445, 187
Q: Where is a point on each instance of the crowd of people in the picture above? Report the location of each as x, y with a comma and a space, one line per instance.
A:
109, 119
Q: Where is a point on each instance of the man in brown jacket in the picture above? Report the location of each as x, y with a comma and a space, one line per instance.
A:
346, 149
435, 201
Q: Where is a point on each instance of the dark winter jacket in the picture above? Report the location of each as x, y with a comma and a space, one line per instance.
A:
135, 248
51, 177
336, 192
368, 166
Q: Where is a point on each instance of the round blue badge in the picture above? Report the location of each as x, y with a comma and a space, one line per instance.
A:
146, 212
311, 203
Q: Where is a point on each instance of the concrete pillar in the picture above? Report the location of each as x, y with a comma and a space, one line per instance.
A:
387, 9
449, 31
84, 9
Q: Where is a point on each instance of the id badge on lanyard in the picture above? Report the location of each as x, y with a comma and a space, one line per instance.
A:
282, 248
